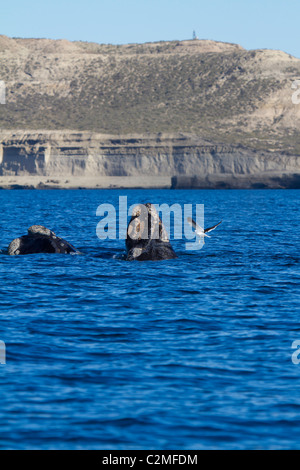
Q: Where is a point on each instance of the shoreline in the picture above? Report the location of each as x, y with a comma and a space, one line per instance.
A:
221, 181
79, 182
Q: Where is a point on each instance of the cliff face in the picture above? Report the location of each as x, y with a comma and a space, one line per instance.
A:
181, 113
181, 160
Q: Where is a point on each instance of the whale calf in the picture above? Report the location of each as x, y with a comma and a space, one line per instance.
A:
40, 240
147, 239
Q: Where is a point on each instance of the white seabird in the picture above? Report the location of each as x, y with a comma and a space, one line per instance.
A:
199, 230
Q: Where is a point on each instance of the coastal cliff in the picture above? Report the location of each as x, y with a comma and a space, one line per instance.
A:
171, 114
84, 159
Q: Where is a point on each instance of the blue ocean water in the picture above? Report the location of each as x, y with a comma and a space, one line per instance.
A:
193, 353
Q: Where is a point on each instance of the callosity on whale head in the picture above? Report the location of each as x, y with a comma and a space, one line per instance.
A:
40, 240
147, 238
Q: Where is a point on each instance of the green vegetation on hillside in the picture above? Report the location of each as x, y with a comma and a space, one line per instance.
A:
163, 87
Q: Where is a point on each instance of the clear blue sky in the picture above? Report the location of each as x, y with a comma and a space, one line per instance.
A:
273, 24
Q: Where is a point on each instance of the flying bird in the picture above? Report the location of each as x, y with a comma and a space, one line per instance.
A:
199, 230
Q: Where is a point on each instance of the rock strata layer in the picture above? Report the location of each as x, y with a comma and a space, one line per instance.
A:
57, 159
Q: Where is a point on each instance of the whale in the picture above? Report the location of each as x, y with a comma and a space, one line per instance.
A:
40, 240
147, 239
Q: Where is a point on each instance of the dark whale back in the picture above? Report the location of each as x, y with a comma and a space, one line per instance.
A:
147, 238
40, 240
